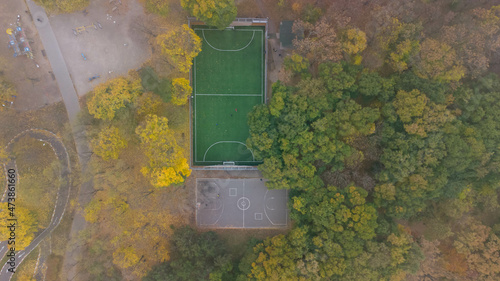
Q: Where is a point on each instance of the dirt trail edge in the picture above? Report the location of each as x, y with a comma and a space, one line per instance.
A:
61, 200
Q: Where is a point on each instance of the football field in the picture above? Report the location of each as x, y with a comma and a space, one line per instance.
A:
228, 81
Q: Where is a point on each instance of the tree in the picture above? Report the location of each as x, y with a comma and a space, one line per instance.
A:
218, 13
371, 84
179, 46
351, 119
475, 38
148, 103
129, 221
339, 78
167, 164
111, 96
296, 63
194, 256
25, 228
108, 143
285, 258
320, 41
400, 41
353, 42
482, 250
438, 61
420, 115
180, 91
293, 132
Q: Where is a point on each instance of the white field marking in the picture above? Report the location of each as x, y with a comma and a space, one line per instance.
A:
222, 212
262, 69
232, 95
2, 248
195, 90
248, 201
239, 142
235, 50
195, 120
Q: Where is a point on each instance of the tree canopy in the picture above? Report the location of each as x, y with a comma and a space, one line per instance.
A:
109, 97
167, 163
179, 46
218, 13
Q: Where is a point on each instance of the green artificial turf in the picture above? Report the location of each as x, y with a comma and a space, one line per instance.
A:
227, 84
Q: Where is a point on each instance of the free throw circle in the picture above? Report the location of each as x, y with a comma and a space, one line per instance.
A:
243, 203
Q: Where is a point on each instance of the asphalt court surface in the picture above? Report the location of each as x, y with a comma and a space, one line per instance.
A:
240, 203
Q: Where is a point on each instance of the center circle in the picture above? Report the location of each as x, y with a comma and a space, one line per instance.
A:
243, 203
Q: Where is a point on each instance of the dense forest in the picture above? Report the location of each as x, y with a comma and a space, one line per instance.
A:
383, 126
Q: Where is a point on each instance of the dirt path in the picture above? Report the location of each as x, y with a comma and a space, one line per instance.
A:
71, 102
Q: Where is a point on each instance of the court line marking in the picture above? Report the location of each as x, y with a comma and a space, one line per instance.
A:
265, 212
195, 90
232, 95
272, 226
221, 213
239, 142
221, 50
243, 209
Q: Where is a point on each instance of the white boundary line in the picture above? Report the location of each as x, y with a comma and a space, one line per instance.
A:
265, 210
195, 94
230, 95
239, 142
248, 203
262, 68
233, 161
221, 50
214, 226
221, 212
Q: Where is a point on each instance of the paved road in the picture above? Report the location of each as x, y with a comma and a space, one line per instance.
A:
71, 102
61, 199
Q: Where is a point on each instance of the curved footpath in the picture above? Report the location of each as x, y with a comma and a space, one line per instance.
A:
62, 197
71, 102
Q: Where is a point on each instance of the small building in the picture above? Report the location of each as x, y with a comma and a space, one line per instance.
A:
287, 35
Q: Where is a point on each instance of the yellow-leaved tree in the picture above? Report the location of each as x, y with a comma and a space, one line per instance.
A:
167, 164
420, 115
25, 227
111, 96
401, 42
353, 42
108, 143
179, 46
180, 91
218, 13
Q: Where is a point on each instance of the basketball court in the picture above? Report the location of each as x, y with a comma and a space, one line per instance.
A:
240, 203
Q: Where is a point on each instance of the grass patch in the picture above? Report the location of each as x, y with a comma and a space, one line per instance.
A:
54, 265
39, 172
152, 83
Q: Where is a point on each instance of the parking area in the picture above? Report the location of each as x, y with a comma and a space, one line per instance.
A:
239, 203
107, 52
